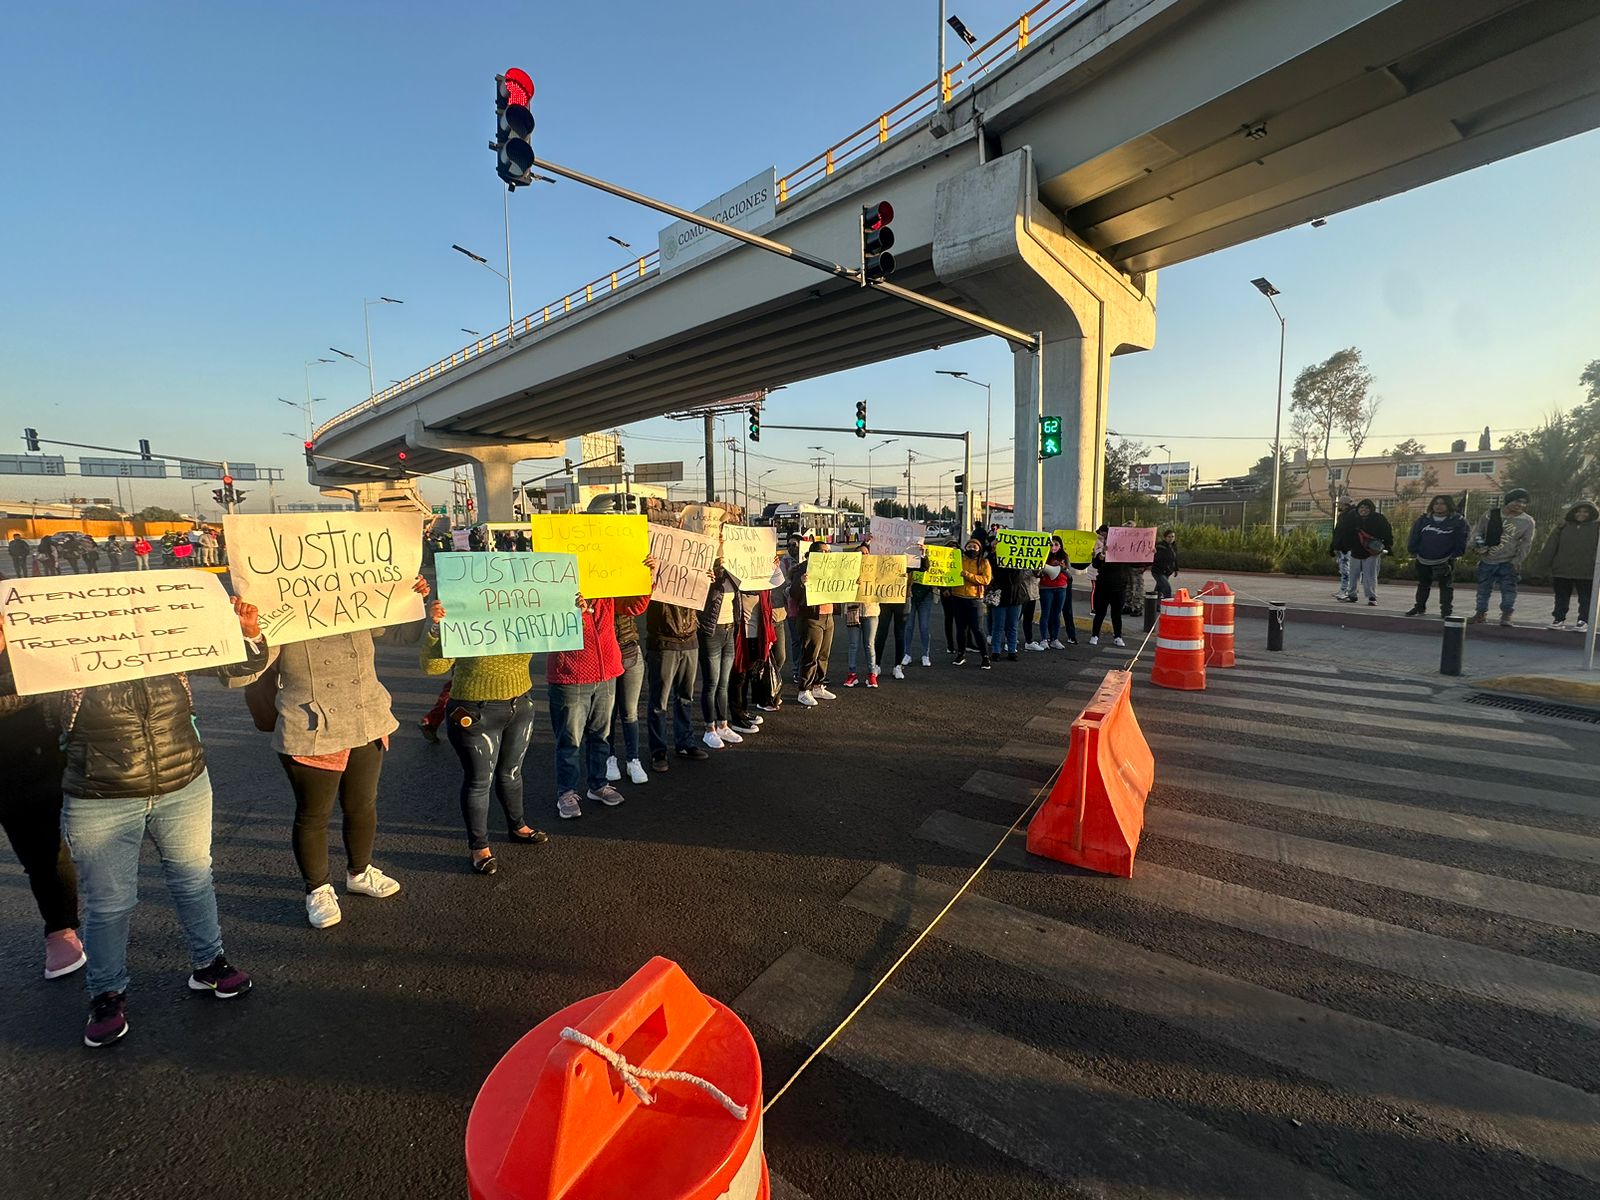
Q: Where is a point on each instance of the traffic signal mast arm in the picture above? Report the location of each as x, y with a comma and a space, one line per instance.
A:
854, 274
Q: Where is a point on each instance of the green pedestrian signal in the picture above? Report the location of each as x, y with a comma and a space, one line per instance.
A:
1049, 437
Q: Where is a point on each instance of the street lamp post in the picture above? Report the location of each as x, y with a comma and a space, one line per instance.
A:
988, 413
366, 319
1267, 290
761, 485
311, 362
867, 509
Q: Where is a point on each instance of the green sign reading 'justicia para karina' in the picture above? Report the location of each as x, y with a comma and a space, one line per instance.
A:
508, 603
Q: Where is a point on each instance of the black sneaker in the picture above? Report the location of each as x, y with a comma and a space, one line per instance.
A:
1011, 657
1417, 611
694, 752
658, 764
221, 980
108, 1019
959, 661
1373, 602
429, 732
987, 664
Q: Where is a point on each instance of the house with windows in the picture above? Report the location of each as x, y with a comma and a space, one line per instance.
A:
1474, 477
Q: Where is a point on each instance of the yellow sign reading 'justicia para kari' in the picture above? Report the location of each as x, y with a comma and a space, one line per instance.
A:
610, 549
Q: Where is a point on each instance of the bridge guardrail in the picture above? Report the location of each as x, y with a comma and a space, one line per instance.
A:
1010, 42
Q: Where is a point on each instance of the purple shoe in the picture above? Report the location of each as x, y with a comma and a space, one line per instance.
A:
108, 1019
221, 980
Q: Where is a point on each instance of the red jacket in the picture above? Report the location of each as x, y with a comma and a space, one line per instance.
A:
748, 652
601, 657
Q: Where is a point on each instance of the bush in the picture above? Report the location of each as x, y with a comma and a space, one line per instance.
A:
1223, 560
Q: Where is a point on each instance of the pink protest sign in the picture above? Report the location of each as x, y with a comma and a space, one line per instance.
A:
1130, 545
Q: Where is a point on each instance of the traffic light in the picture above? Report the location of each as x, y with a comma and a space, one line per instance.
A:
220, 496
238, 496
861, 418
1049, 437
400, 455
30, 438
144, 449
755, 424
227, 482
311, 459
961, 484
513, 126
622, 455
876, 239
569, 472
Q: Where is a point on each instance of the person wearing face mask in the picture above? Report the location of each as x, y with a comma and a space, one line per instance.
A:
1438, 538
967, 601
1567, 556
1503, 538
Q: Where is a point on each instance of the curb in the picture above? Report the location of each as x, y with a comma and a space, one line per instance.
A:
1545, 687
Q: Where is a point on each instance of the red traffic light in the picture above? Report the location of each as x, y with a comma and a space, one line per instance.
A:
227, 481
520, 85
876, 216
401, 456
310, 446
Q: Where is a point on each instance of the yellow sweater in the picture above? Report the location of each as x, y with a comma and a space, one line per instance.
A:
977, 575
491, 677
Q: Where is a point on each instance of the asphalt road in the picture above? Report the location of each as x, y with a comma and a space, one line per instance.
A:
1360, 956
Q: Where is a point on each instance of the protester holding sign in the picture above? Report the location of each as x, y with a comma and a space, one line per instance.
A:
135, 767
630, 685
1005, 604
583, 689
672, 645
330, 719
818, 644
1110, 581
966, 601
920, 597
716, 659
489, 722
1055, 596
754, 636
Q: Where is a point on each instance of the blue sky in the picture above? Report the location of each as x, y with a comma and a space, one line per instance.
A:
199, 197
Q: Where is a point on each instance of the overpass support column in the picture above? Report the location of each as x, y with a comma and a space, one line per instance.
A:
1011, 258
492, 463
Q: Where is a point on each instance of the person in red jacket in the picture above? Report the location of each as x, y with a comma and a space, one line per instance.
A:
583, 689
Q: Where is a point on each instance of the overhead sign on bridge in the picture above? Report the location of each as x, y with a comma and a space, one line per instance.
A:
749, 206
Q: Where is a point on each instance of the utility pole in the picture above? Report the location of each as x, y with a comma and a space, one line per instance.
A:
910, 516
711, 457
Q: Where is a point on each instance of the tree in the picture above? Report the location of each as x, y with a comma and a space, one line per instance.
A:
1288, 486
1410, 492
156, 513
1331, 400
99, 512
1121, 457
1585, 417
1552, 465
847, 505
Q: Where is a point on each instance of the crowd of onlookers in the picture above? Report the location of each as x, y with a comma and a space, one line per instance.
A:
77, 553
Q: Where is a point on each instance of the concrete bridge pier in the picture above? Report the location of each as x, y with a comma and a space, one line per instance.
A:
1010, 257
492, 463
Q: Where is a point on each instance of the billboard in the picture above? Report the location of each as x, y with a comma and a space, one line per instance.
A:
1158, 478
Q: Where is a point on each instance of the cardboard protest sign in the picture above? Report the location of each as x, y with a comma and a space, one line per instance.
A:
501, 602
1124, 544
316, 574
1024, 549
684, 562
461, 539
87, 630
747, 553
943, 569
702, 518
831, 578
611, 550
883, 579
1077, 543
896, 535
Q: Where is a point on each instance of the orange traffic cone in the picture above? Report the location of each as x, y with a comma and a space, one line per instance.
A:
1218, 597
1180, 644
579, 1108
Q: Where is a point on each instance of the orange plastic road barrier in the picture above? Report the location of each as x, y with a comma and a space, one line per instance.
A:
1181, 644
1095, 811
1217, 596
555, 1121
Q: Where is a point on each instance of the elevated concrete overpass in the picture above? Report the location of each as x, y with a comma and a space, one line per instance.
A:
1079, 152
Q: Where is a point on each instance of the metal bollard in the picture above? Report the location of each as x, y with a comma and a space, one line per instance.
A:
1152, 606
1454, 647
1277, 610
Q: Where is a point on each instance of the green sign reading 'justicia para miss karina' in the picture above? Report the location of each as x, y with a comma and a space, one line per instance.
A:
508, 603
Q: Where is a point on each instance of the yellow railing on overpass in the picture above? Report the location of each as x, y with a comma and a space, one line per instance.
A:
1008, 43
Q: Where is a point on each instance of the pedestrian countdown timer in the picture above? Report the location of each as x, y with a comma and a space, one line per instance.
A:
1049, 437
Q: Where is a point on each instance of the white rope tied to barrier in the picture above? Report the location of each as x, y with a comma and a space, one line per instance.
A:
631, 1075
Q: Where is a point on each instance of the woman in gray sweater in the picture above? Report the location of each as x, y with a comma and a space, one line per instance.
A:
333, 727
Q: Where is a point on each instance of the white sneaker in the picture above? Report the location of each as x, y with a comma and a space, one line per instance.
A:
904, 662
636, 771
806, 700
899, 671
711, 739
926, 661
1116, 641
729, 737
371, 882
1094, 641
1340, 595
1057, 644
822, 693
1582, 627
612, 772
322, 907
1558, 625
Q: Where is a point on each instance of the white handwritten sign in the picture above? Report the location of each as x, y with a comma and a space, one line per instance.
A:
507, 602
748, 553
1129, 545
315, 574
896, 535
684, 561
87, 630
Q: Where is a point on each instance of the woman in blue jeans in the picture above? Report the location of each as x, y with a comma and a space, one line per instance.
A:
136, 768
919, 624
489, 721
1055, 598
716, 660
1006, 613
630, 686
